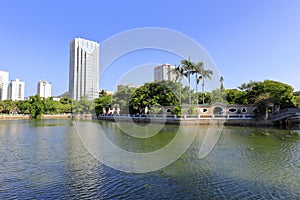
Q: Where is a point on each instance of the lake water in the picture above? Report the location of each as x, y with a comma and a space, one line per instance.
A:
47, 160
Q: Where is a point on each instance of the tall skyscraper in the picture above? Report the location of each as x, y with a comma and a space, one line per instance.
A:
44, 89
84, 69
164, 72
16, 90
3, 85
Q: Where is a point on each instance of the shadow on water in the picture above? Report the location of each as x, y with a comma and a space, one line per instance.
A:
119, 135
49, 122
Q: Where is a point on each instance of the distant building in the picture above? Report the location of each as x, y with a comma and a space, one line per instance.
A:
56, 99
164, 72
122, 86
83, 69
16, 90
4, 77
105, 93
44, 89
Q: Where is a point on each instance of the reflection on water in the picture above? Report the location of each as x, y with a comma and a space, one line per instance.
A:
46, 159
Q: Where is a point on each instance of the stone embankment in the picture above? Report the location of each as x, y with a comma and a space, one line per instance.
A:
17, 117
242, 120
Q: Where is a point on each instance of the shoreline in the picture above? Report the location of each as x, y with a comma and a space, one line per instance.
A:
28, 117
175, 121
191, 121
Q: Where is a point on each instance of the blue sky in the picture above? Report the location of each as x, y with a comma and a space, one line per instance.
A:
248, 40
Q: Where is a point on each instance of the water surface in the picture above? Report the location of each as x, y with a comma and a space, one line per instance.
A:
46, 160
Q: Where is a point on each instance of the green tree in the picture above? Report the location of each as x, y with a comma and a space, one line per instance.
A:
83, 106
102, 93
49, 106
153, 94
23, 106
179, 74
178, 110
280, 93
207, 97
188, 69
192, 110
122, 97
218, 95
9, 106
250, 91
54, 107
199, 67
65, 105
36, 106
297, 101
102, 103
235, 96
205, 74
1, 106
262, 104
222, 83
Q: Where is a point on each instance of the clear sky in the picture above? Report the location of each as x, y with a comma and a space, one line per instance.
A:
248, 40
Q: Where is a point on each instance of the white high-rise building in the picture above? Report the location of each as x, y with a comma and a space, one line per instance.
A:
164, 72
4, 77
44, 89
84, 69
16, 90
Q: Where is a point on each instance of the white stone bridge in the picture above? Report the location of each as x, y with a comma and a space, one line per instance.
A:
284, 115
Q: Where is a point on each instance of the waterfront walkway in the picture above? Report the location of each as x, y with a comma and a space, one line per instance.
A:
238, 119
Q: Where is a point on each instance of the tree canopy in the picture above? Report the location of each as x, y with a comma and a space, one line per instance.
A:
153, 94
279, 93
36, 106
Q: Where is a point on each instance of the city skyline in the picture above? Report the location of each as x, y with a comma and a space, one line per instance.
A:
249, 40
11, 89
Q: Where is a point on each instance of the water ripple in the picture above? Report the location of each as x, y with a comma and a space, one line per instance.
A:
48, 162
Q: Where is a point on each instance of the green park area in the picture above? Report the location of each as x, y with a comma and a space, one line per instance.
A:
152, 95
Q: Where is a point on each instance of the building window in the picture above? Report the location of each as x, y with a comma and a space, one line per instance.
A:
20, 91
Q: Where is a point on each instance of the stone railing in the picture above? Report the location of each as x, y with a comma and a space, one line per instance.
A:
182, 117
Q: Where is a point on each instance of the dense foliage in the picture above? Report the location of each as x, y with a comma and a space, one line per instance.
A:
150, 95
121, 98
297, 101
36, 106
101, 103
156, 94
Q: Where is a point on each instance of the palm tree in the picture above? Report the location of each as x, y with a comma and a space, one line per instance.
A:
197, 82
199, 67
178, 71
188, 69
205, 74
222, 83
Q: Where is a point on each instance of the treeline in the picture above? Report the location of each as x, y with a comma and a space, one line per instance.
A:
168, 93
268, 91
36, 106
150, 97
